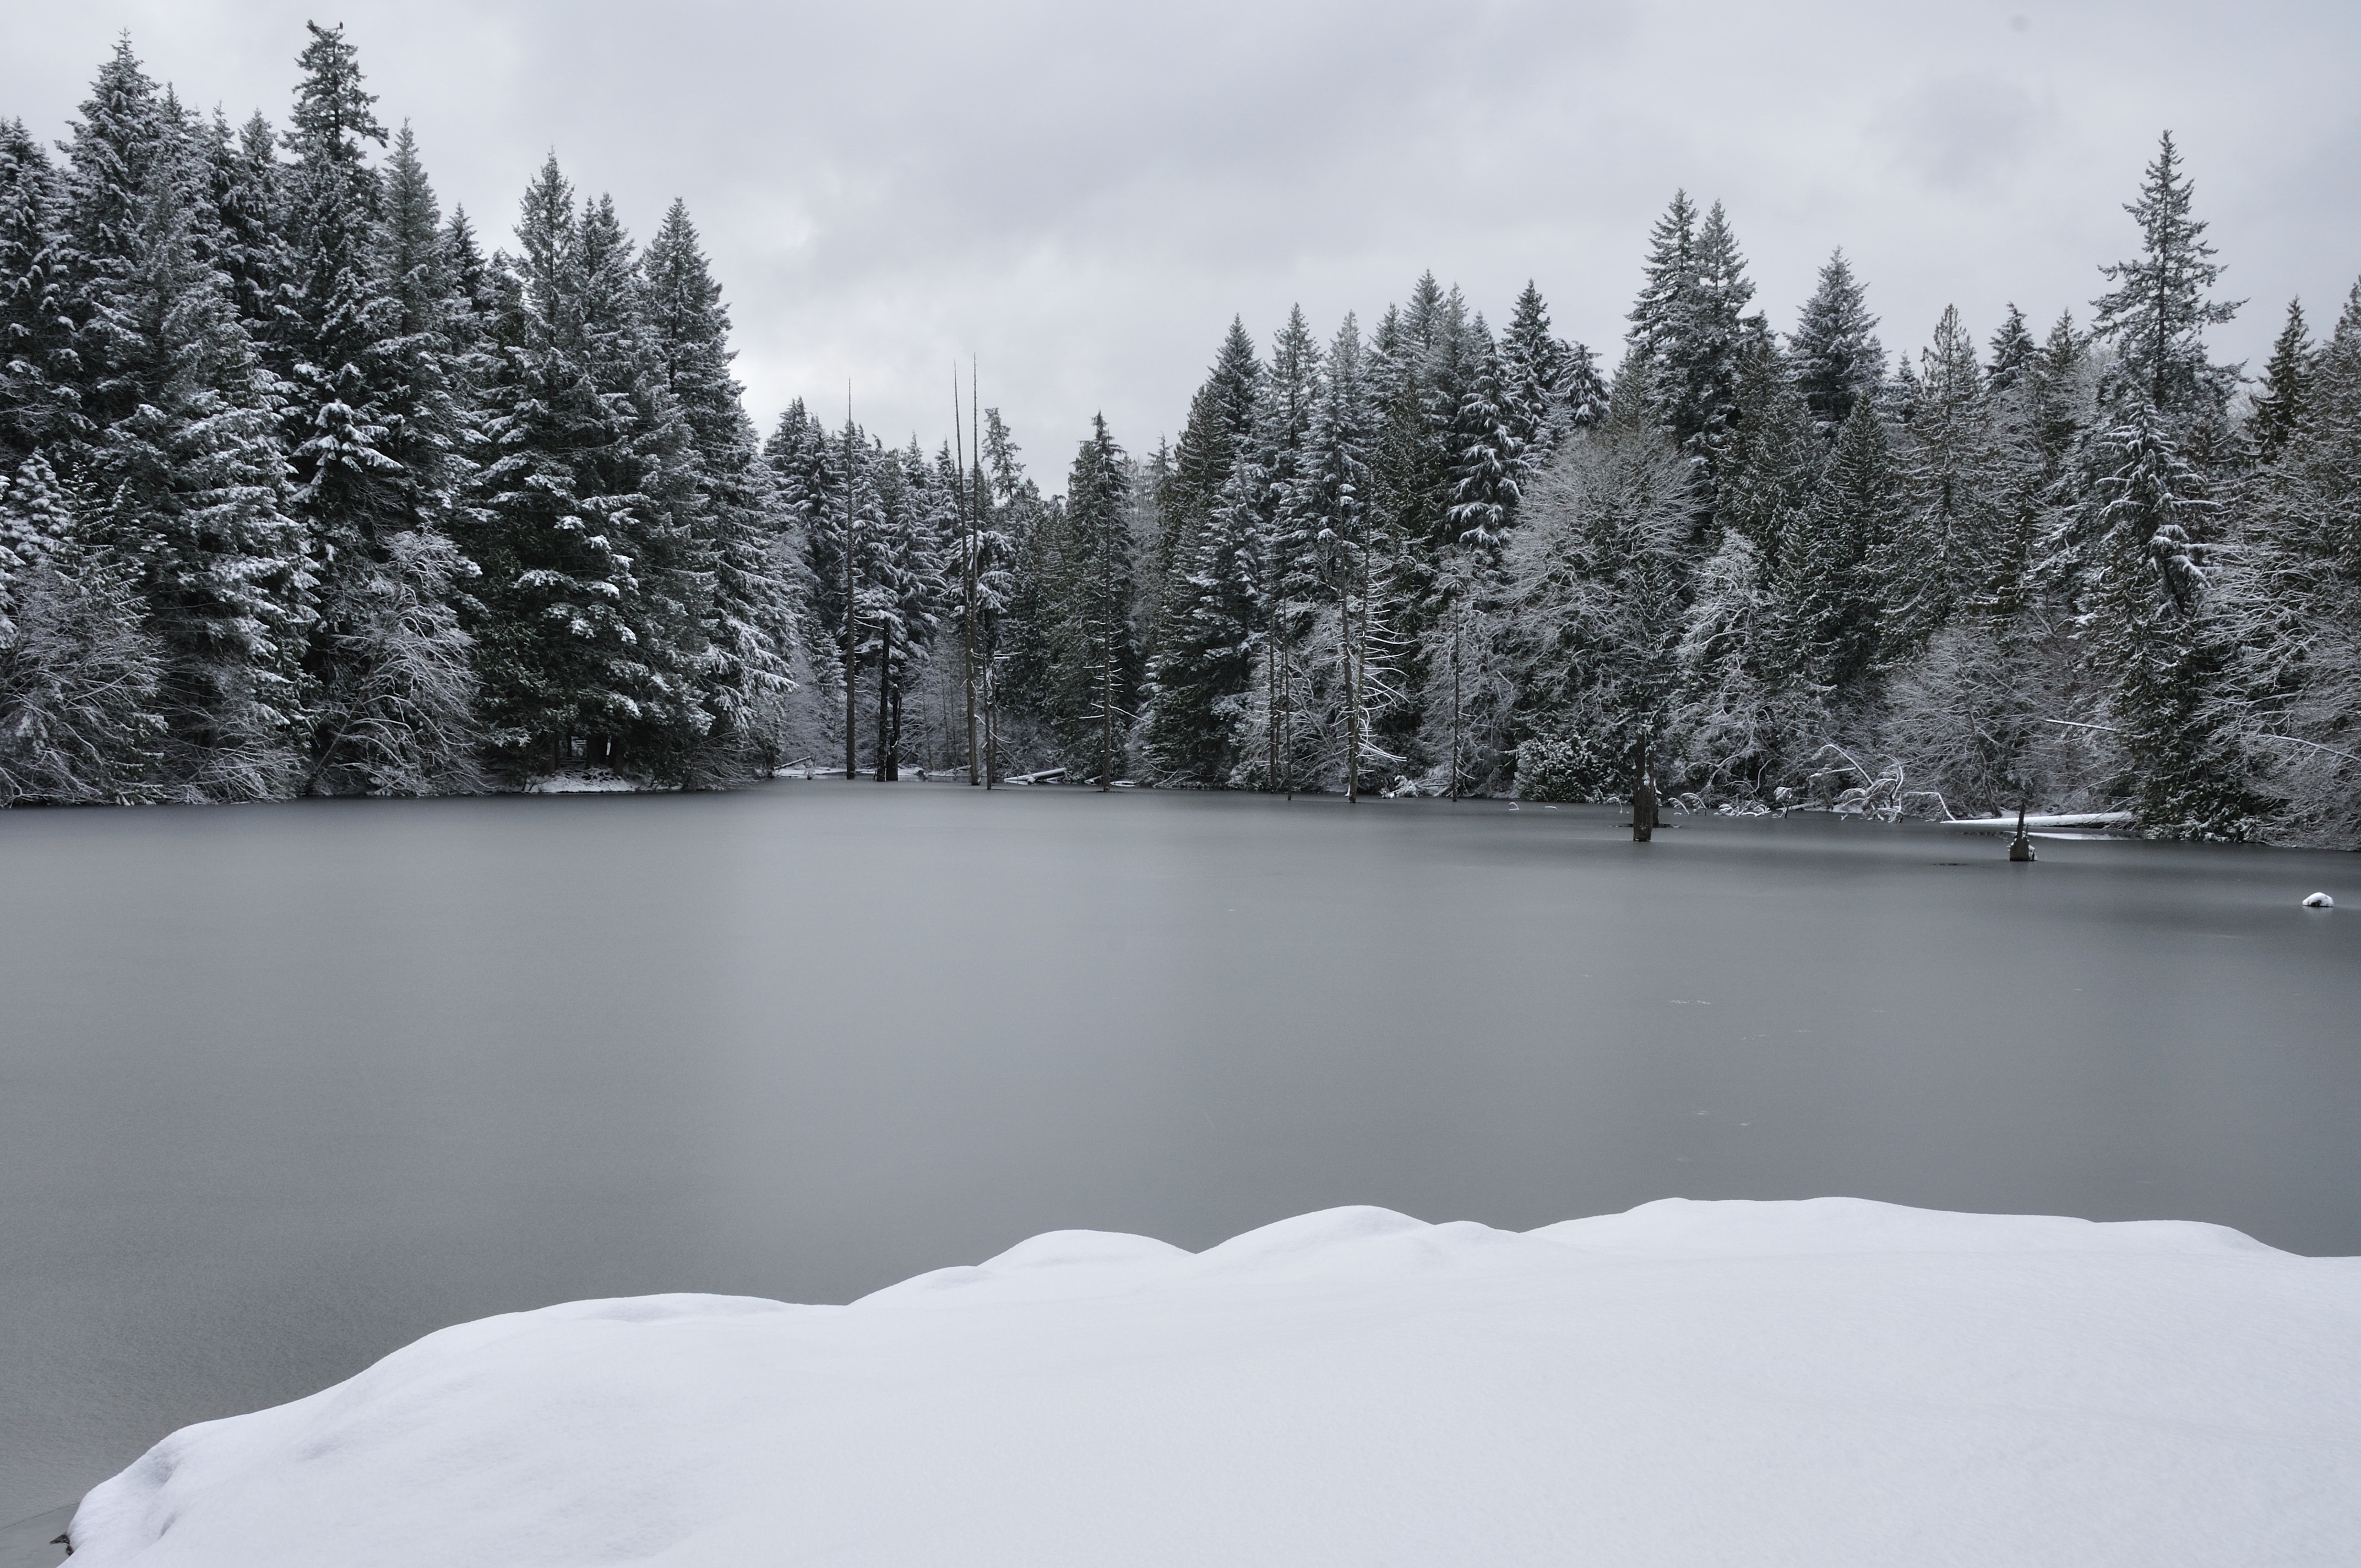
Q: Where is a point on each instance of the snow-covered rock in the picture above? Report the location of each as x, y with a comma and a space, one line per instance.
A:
1832, 1382
2319, 901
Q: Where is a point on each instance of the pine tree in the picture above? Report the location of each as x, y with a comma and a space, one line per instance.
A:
247, 240
1939, 556
1834, 349
2278, 409
1221, 420
1827, 595
79, 674
109, 155
2292, 610
1099, 665
39, 400
2157, 315
1597, 571
1772, 459
746, 615
2013, 351
1205, 659
197, 503
398, 685
1536, 373
1487, 455
1668, 298
582, 495
2142, 618
1330, 494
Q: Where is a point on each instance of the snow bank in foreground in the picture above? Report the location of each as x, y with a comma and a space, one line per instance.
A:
1826, 1383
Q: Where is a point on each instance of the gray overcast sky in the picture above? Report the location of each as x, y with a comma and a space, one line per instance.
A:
1083, 195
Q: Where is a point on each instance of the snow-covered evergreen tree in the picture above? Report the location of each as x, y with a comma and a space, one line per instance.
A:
196, 499
1772, 460
1097, 673
1939, 556
1828, 597
1485, 453
79, 677
2155, 317
746, 617
2291, 608
584, 493
1598, 567
39, 402
1538, 372
2279, 408
1834, 350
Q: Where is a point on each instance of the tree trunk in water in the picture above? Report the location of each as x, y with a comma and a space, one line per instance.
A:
1454, 710
851, 615
1643, 794
884, 757
1351, 705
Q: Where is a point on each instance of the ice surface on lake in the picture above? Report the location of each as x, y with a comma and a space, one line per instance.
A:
1832, 1382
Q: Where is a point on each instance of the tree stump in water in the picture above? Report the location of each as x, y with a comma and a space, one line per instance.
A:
1644, 797
2020, 850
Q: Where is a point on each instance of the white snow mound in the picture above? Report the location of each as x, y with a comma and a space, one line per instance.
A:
1833, 1382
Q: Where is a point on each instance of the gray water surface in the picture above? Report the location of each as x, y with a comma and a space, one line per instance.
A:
282, 1088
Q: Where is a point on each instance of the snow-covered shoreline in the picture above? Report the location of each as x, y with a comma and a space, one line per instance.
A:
1830, 1382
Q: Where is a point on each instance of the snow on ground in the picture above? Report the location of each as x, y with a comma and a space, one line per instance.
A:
582, 781
1824, 1383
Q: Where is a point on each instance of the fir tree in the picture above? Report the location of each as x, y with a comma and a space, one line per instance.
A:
1536, 373
746, 618
79, 675
2157, 315
197, 504
1095, 635
581, 499
2141, 618
1939, 558
1486, 454
1772, 459
2292, 612
38, 400
2013, 351
1596, 572
2278, 409
1331, 495
397, 684
121, 134
1827, 603
1834, 349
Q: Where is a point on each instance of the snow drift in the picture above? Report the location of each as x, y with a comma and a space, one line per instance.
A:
1832, 1382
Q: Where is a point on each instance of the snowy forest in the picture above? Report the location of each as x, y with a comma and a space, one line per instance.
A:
308, 493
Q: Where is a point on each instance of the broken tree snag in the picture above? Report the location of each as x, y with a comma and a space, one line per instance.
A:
1643, 794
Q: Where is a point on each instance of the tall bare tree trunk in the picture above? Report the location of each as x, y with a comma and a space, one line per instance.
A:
851, 621
1106, 680
884, 756
967, 513
1455, 707
1351, 695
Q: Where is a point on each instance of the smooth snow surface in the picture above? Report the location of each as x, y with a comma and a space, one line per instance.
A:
1824, 1383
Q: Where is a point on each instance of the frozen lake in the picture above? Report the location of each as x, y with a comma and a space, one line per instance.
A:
282, 1088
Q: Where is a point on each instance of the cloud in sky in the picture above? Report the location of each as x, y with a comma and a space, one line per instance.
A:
1082, 196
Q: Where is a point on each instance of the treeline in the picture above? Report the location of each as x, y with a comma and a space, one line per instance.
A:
2084, 567
306, 493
